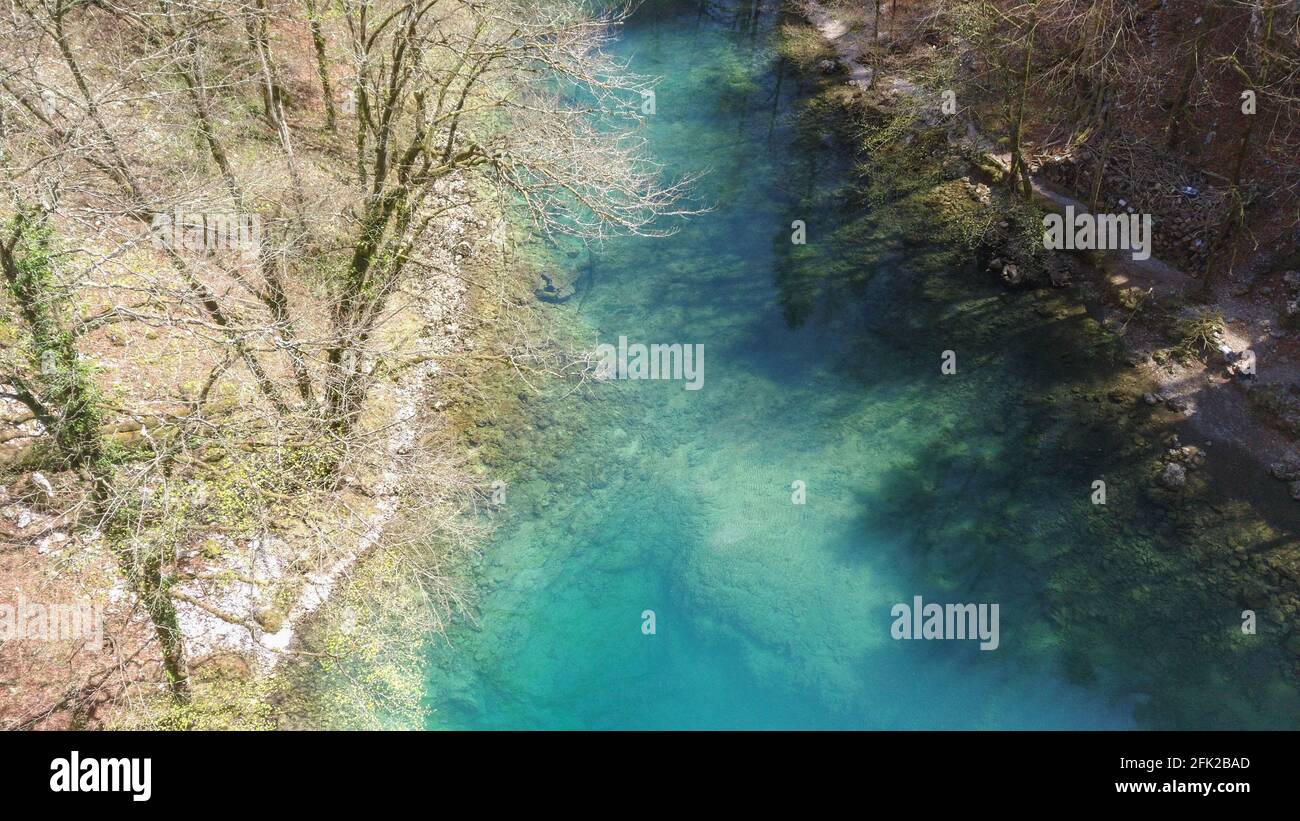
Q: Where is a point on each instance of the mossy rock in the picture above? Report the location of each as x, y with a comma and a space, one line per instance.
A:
270, 619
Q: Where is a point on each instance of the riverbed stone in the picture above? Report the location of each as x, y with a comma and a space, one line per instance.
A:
1174, 476
1287, 470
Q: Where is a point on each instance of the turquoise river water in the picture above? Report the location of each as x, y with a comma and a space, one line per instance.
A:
822, 366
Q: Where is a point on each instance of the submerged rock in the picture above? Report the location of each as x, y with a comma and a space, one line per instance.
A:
1288, 470
1174, 476
1189, 456
551, 294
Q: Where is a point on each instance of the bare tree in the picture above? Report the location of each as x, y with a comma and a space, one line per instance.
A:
117, 112
522, 91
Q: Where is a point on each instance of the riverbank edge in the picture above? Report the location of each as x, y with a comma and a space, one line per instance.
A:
1112, 270
1095, 281
480, 413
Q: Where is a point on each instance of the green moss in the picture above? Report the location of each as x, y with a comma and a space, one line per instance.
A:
803, 46
63, 380
225, 695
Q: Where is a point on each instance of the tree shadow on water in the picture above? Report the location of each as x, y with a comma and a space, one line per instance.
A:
1119, 597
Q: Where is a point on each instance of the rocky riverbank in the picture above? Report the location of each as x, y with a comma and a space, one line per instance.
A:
247, 589
1215, 425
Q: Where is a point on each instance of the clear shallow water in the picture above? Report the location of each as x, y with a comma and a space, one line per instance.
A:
822, 365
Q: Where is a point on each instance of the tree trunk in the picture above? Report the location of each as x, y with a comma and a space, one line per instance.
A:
1178, 112
322, 65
